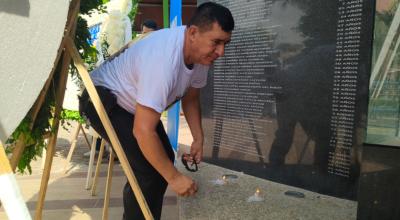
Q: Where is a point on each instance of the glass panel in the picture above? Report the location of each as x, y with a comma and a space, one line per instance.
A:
384, 112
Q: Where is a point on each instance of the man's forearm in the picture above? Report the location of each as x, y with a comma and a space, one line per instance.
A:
152, 149
191, 109
144, 129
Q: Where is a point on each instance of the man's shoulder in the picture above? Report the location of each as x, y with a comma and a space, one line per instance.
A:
167, 33
158, 41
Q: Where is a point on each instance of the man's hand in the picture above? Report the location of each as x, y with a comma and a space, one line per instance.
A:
196, 150
183, 185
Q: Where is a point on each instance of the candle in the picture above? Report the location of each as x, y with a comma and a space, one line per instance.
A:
256, 197
258, 192
220, 181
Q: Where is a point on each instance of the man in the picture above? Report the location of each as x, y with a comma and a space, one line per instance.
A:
148, 26
137, 84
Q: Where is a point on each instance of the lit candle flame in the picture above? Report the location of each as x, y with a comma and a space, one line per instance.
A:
258, 191
257, 197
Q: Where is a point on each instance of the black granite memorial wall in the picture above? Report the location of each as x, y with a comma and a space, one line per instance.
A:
288, 101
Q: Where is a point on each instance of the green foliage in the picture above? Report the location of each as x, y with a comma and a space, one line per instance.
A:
88, 5
82, 37
70, 115
33, 139
87, 51
133, 12
132, 15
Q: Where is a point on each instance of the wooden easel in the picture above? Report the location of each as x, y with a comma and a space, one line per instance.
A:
70, 46
67, 51
73, 145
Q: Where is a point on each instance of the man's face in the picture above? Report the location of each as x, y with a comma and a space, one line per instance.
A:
209, 44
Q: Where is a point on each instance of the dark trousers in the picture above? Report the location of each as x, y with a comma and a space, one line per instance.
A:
150, 181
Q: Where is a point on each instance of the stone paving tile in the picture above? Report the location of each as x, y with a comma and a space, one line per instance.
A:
89, 203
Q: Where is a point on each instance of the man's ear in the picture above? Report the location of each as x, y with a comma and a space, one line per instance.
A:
193, 30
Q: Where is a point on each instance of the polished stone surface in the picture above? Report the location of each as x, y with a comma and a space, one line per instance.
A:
379, 191
288, 100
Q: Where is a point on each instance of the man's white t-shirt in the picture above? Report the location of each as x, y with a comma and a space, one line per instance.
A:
151, 72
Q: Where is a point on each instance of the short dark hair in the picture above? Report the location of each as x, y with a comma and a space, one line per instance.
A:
150, 24
208, 13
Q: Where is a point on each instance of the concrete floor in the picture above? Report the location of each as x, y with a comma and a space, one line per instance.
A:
66, 196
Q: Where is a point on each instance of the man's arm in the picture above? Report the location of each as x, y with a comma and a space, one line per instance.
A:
144, 129
191, 108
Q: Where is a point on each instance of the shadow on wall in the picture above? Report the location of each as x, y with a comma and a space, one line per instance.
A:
20, 7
